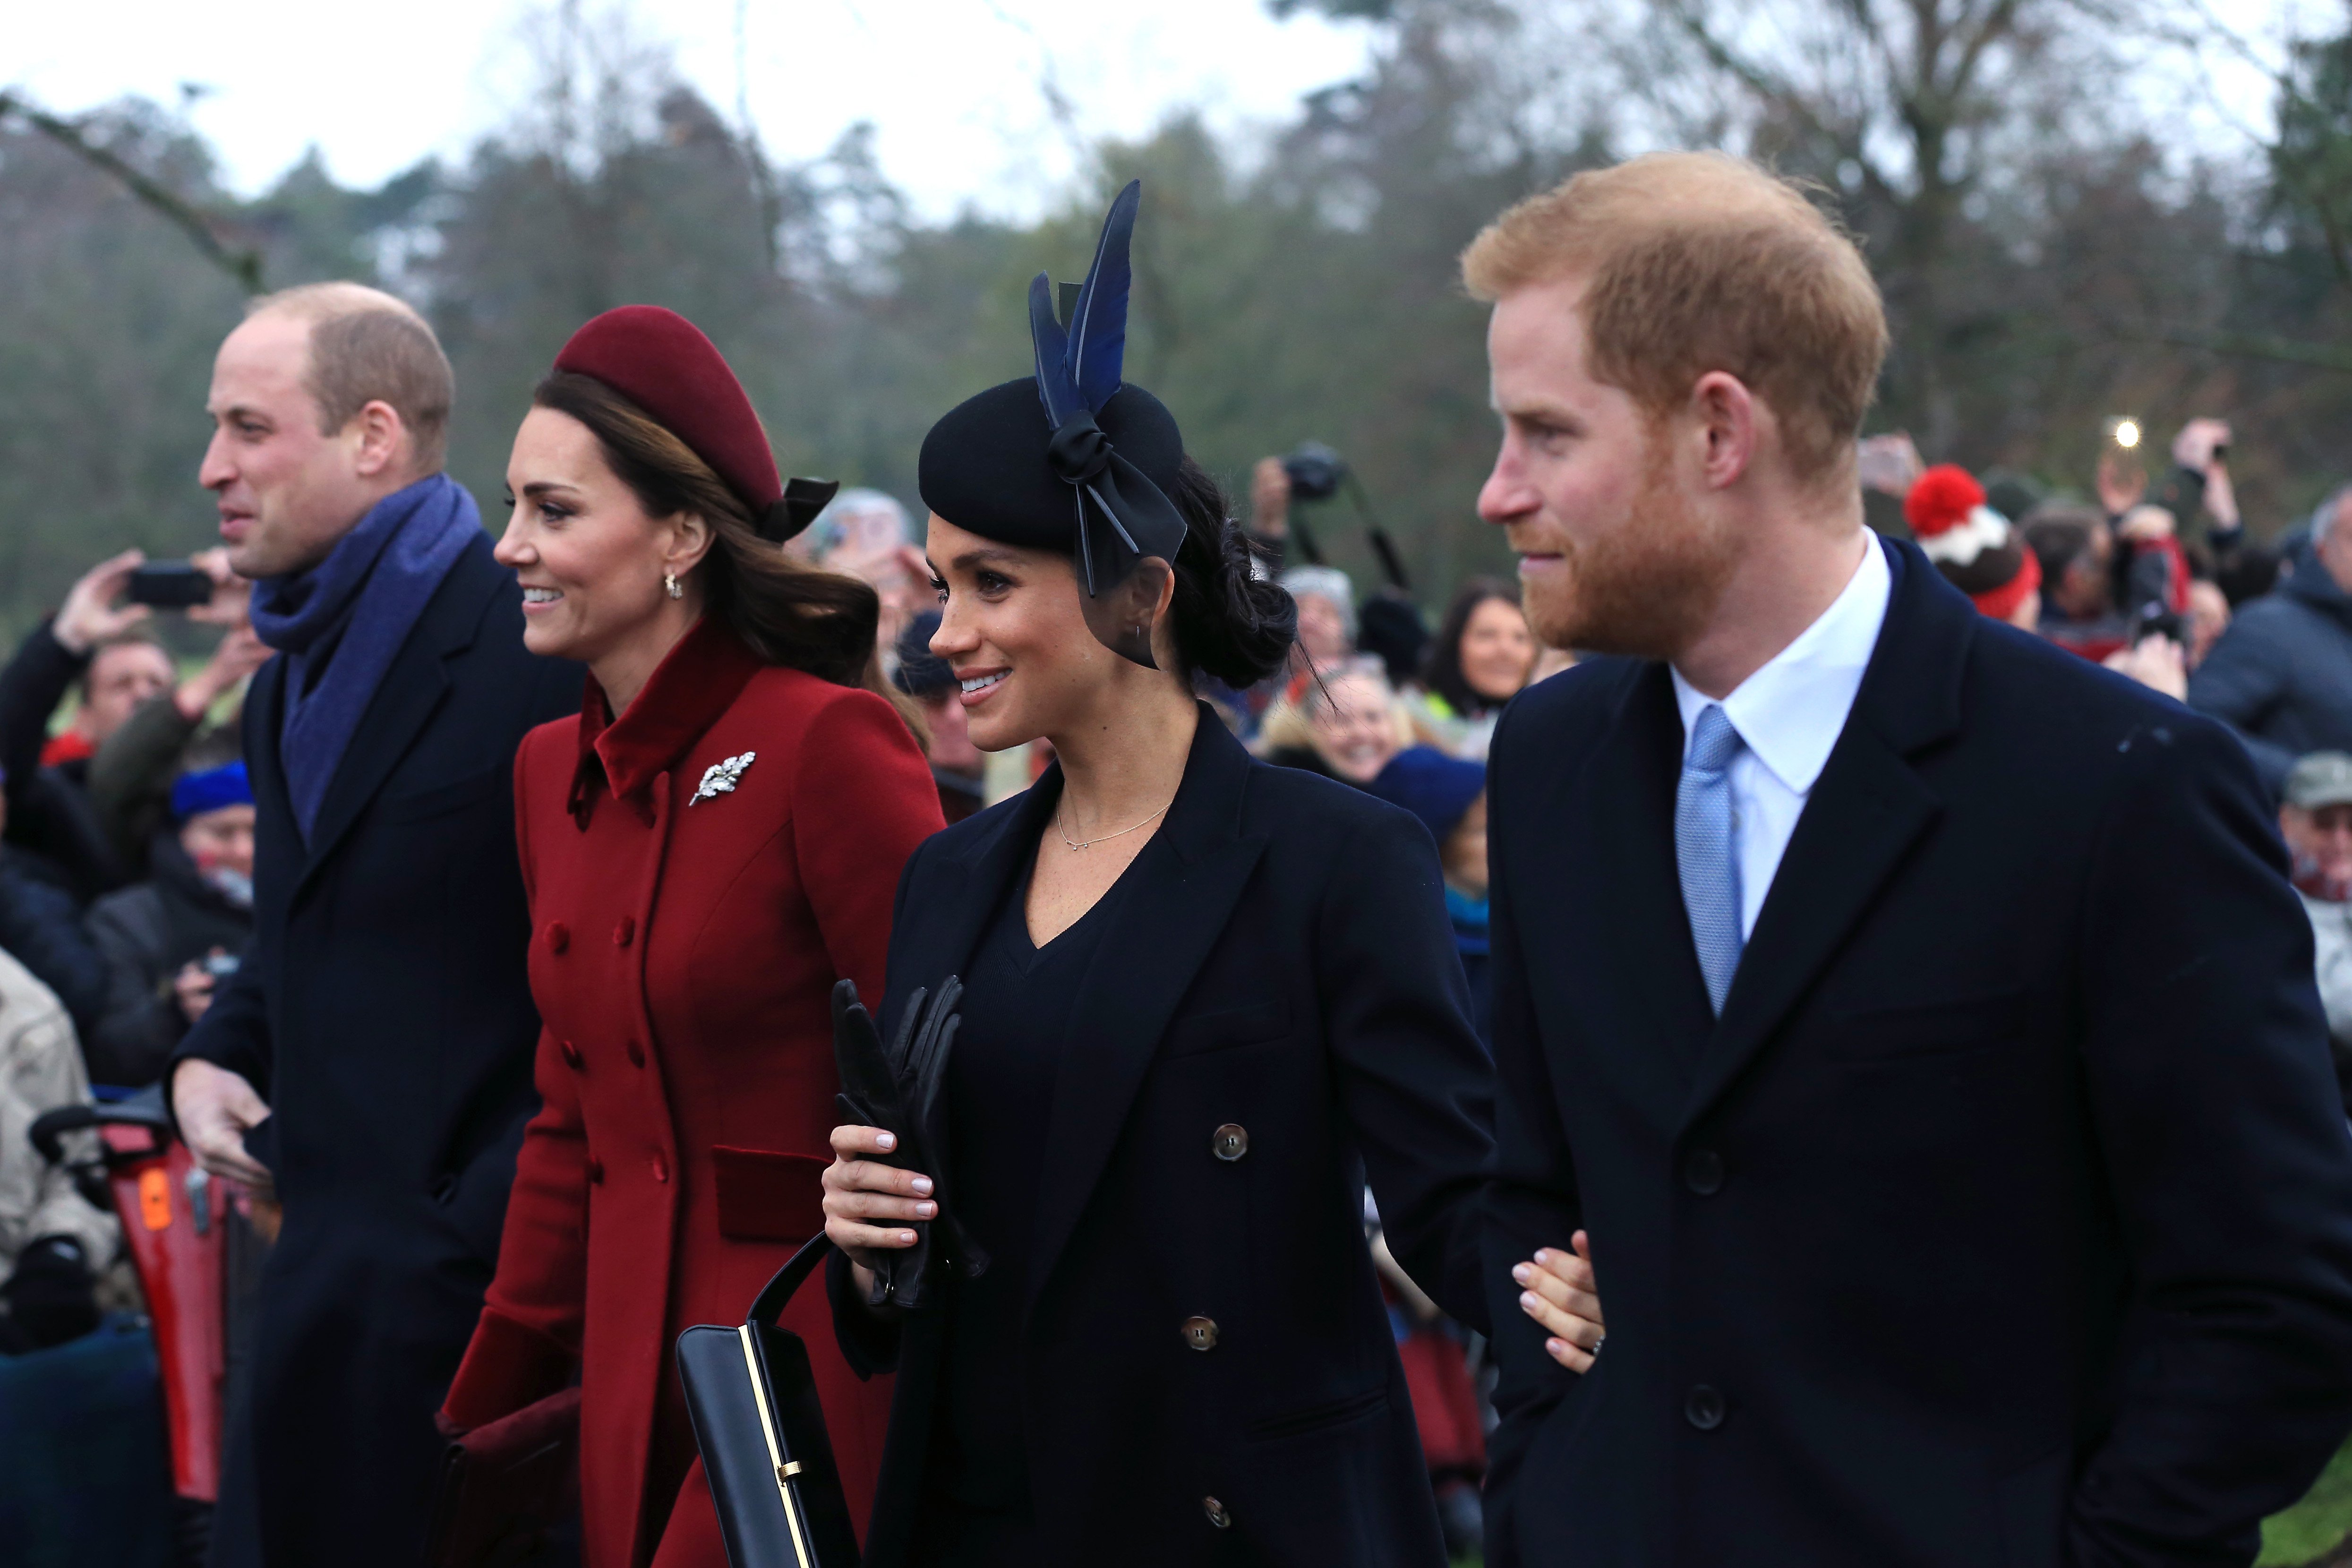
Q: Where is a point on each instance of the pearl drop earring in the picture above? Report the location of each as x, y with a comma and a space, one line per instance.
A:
669, 584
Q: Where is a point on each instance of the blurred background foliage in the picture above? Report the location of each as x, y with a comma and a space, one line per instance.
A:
2051, 250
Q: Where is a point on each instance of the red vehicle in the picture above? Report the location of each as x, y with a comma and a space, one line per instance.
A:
195, 1241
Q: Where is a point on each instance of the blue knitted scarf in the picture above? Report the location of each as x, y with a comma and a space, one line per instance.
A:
342, 623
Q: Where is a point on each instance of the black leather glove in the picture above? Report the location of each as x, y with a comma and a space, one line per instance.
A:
51, 1297
898, 1088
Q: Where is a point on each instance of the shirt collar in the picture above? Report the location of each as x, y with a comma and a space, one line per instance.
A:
695, 683
1790, 711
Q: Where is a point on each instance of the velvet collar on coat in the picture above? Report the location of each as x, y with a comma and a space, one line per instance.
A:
696, 682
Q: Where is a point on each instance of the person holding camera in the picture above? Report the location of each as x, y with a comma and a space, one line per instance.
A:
170, 940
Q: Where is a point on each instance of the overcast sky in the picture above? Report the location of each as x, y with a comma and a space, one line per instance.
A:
954, 85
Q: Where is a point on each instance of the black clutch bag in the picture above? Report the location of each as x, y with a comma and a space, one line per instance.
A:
756, 1418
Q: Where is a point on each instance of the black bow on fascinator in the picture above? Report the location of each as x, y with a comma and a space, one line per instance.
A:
1092, 476
793, 512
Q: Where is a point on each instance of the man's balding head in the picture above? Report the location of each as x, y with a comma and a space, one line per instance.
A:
367, 346
328, 398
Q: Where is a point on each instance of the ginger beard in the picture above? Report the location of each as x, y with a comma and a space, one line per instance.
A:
1644, 584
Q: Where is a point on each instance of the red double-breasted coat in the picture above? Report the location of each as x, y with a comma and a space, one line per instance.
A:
701, 872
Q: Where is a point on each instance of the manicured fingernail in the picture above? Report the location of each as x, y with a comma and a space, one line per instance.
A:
925, 1210
888, 1142
907, 1236
923, 1186
1542, 1253
1557, 1347
1528, 1300
1522, 1273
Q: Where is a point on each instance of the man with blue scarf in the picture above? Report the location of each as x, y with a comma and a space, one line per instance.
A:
370, 1060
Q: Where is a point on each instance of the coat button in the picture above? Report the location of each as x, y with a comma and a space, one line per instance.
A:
1216, 1512
1200, 1334
661, 1168
571, 1055
625, 933
636, 1055
444, 1190
1230, 1143
595, 1171
1704, 1408
1703, 1173
559, 936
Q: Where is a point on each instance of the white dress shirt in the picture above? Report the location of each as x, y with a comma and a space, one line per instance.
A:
1789, 713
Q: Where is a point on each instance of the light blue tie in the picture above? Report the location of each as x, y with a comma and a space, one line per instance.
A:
1707, 850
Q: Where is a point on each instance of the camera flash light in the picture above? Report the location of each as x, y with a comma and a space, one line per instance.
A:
2126, 433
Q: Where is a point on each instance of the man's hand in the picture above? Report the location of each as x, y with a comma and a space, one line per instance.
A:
239, 655
2157, 662
1557, 1290
192, 988
90, 615
1889, 464
2122, 481
232, 600
1270, 499
2199, 439
216, 1109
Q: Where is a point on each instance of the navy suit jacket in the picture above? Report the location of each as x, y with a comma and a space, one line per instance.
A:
1279, 960
2004, 1217
383, 1011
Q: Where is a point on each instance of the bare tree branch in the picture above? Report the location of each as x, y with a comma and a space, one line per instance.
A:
244, 265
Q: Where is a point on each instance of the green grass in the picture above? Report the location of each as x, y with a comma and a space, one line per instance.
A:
2313, 1529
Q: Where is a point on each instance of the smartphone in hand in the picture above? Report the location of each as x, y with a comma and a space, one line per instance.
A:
171, 585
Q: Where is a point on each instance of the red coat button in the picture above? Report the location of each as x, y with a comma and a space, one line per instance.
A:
636, 1055
661, 1168
572, 1055
625, 933
559, 937
596, 1172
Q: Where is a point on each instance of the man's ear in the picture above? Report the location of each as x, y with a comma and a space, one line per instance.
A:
1729, 418
382, 439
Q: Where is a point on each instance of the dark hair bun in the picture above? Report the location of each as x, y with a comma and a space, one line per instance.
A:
1230, 622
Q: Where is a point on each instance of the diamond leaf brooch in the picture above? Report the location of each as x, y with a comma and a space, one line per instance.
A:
719, 777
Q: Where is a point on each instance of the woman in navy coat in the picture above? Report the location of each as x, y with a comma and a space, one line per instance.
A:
1205, 999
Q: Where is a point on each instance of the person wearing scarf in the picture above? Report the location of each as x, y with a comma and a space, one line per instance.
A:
368, 1063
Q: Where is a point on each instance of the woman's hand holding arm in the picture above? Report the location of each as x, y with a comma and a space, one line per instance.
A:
1559, 1294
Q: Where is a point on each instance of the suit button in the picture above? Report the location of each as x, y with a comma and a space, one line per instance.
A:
1703, 1173
559, 937
1704, 1408
571, 1055
636, 1055
595, 1171
1200, 1334
444, 1190
1216, 1512
625, 933
661, 1168
1230, 1142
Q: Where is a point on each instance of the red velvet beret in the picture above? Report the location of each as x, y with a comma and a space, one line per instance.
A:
661, 361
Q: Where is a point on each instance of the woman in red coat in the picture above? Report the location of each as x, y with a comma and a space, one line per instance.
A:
707, 848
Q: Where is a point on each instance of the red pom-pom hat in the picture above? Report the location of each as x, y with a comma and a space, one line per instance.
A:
1973, 545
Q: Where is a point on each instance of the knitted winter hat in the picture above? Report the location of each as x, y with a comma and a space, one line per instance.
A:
1971, 544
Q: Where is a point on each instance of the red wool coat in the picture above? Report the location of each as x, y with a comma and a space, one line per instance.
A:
686, 939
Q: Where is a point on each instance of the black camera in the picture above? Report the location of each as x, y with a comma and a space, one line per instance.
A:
2153, 620
170, 585
1315, 471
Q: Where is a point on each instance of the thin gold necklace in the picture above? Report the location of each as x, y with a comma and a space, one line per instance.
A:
1105, 837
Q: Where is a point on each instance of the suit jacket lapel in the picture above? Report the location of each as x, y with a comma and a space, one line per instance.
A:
409, 694
1866, 810
1160, 932
265, 712
1655, 964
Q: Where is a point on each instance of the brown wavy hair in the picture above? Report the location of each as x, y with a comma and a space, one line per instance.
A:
786, 612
